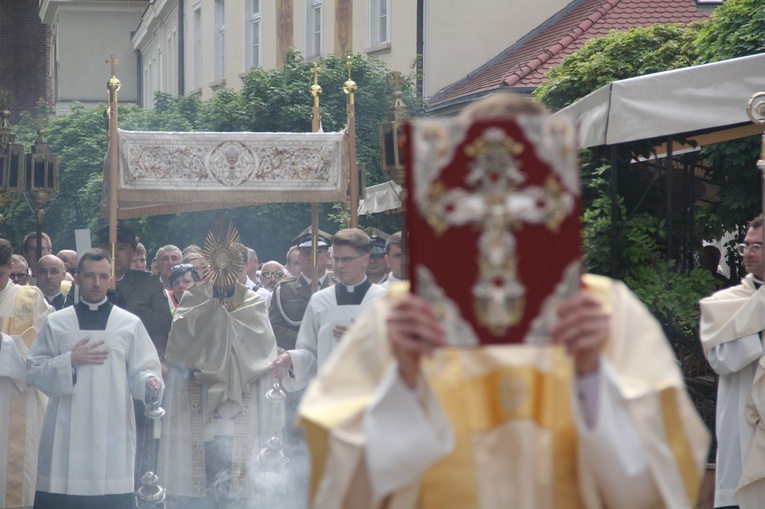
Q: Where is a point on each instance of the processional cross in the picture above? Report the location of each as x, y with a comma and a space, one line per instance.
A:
114, 63
496, 201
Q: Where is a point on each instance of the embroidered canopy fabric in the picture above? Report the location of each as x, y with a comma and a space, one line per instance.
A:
167, 173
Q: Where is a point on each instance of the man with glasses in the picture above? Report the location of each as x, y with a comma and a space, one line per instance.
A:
330, 311
731, 324
20, 271
270, 274
22, 312
50, 281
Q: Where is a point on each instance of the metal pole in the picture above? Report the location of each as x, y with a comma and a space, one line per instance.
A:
113, 86
349, 87
315, 124
670, 175
613, 195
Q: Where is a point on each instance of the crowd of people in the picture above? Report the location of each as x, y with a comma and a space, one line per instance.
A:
394, 416
96, 356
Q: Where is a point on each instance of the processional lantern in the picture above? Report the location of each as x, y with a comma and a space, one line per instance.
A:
392, 132
35, 173
11, 160
41, 177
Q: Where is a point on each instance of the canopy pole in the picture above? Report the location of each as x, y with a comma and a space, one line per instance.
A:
670, 175
349, 87
613, 195
315, 127
113, 86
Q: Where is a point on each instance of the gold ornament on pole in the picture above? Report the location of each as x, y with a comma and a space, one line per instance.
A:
349, 87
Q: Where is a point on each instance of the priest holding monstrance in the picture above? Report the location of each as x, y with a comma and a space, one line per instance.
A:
218, 352
538, 388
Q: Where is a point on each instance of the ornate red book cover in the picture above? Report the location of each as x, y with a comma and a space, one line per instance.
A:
493, 217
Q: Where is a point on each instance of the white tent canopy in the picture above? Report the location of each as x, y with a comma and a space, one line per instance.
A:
710, 97
381, 198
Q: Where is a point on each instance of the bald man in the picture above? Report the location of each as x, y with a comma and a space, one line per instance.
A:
69, 258
50, 280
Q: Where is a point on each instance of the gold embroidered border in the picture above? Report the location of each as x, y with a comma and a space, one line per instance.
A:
196, 426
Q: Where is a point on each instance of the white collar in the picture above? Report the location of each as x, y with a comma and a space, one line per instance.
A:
93, 307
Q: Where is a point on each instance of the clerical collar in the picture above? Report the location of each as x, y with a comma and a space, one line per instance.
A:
351, 295
308, 279
51, 299
757, 283
352, 288
92, 307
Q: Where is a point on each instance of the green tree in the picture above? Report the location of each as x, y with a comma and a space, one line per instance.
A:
618, 55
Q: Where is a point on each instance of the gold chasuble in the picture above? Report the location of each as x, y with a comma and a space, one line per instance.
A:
22, 312
513, 419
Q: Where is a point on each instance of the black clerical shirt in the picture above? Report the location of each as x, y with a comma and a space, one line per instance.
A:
354, 298
93, 316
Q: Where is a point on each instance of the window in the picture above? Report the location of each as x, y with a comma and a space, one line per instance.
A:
253, 39
198, 46
379, 22
313, 29
220, 40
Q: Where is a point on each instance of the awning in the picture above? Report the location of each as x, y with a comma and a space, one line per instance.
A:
381, 198
699, 99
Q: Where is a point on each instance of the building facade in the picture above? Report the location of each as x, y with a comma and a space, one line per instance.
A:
219, 41
83, 36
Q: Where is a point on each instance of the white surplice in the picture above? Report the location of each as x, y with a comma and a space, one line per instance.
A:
731, 322
88, 442
22, 312
500, 426
315, 339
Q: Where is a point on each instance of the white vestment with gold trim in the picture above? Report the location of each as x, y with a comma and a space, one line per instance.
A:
497, 427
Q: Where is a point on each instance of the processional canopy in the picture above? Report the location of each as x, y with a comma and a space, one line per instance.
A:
494, 230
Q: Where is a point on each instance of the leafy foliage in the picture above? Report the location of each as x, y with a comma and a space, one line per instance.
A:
618, 55
270, 101
737, 29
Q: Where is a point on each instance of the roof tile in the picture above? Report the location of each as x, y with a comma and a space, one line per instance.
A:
525, 63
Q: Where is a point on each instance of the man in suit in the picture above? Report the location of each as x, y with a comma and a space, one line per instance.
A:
138, 291
290, 297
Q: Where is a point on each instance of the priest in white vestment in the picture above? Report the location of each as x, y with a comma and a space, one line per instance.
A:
732, 321
330, 311
91, 360
219, 349
22, 407
518, 426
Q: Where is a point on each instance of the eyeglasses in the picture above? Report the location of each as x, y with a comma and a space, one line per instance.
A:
346, 259
44, 272
272, 273
754, 246
18, 275
184, 266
